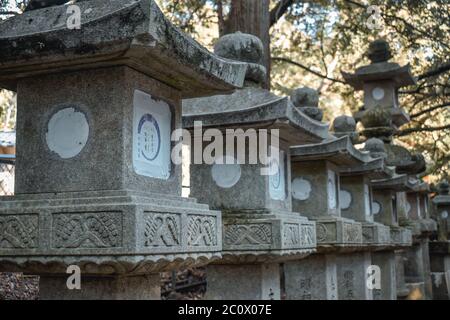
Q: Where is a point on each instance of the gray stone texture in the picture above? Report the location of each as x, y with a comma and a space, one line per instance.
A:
146, 287
243, 282
351, 274
307, 101
387, 263
313, 278
105, 96
106, 233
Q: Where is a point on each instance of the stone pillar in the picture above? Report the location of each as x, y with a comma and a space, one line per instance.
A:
313, 278
95, 183
243, 282
145, 287
387, 263
352, 276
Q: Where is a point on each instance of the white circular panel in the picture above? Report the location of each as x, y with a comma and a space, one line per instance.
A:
67, 132
444, 214
226, 173
301, 189
378, 93
376, 207
345, 198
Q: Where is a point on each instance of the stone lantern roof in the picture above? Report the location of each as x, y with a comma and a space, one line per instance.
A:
404, 160
398, 182
254, 107
380, 71
340, 151
133, 33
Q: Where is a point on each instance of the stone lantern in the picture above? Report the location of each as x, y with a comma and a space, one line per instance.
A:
380, 81
259, 228
315, 193
95, 184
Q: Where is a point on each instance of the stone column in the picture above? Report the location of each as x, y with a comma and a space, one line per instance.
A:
313, 278
95, 183
352, 276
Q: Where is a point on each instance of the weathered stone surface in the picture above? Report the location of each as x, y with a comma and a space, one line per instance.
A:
380, 80
339, 151
345, 126
400, 260
376, 234
379, 51
307, 101
376, 148
404, 160
106, 233
146, 287
386, 261
258, 108
305, 97
351, 268
246, 48
134, 33
338, 234
314, 278
380, 71
243, 282
262, 237
40, 4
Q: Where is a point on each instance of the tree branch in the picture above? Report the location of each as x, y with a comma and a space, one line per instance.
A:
441, 69
282, 59
405, 132
279, 10
418, 114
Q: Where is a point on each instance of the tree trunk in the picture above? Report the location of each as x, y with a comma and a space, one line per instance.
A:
251, 16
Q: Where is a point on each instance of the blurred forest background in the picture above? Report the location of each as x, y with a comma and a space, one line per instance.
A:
309, 43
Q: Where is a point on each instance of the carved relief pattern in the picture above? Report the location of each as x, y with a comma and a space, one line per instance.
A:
291, 234
87, 230
321, 231
385, 235
161, 230
396, 236
241, 234
308, 235
368, 234
202, 231
18, 232
352, 233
